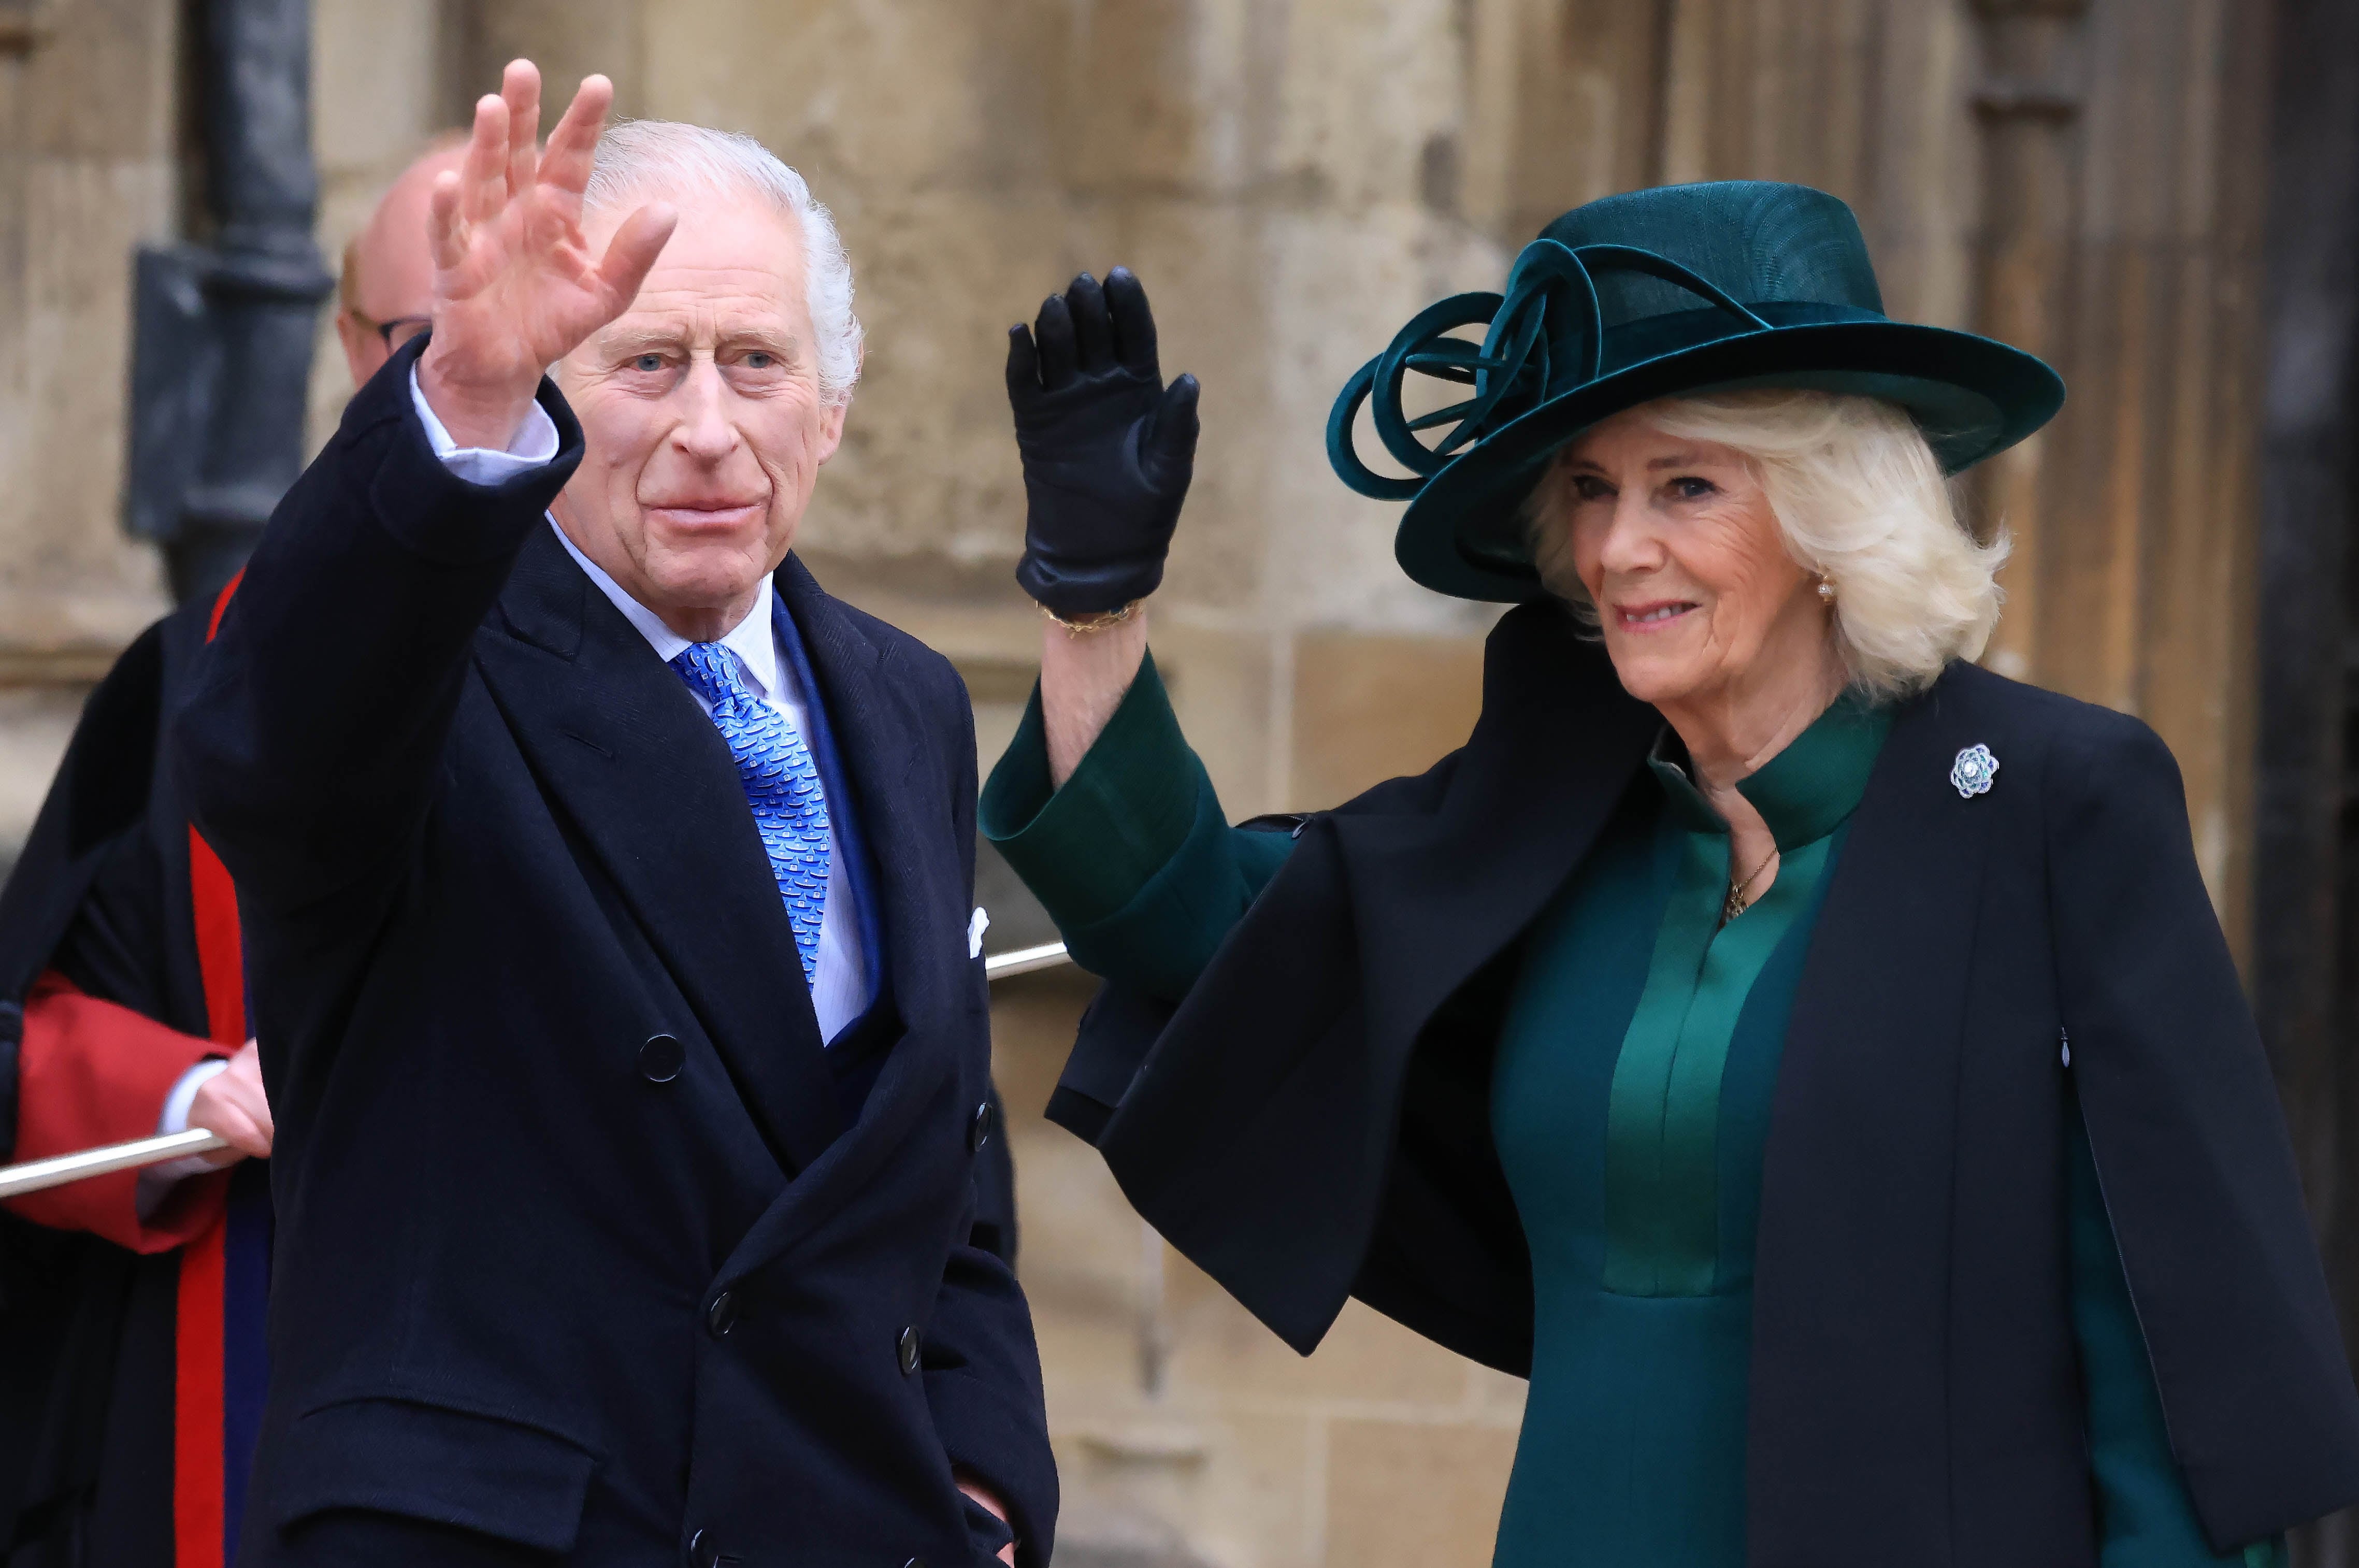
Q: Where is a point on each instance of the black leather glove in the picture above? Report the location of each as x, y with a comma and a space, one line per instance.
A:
1107, 448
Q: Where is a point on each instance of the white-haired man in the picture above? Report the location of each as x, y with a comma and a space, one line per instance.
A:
606, 889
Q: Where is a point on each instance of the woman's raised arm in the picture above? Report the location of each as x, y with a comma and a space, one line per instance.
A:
1108, 450
1083, 678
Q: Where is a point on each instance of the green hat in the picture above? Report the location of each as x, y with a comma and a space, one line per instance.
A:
1678, 290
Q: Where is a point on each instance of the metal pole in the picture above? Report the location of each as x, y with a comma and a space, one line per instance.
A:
33, 1175
1024, 961
223, 358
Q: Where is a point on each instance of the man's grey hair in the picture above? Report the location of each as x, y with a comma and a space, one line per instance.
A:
641, 159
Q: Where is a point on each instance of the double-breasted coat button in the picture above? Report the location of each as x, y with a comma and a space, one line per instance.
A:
722, 1316
696, 1558
911, 1346
978, 1131
661, 1059
914, 1562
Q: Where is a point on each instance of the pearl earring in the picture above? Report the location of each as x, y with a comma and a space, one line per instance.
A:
1826, 592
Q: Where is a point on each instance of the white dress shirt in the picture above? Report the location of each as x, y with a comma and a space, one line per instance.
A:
841, 985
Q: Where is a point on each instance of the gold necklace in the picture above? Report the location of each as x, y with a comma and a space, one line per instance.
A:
1737, 902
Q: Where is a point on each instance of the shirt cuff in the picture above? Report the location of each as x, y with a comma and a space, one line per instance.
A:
534, 445
157, 1182
1087, 849
184, 1094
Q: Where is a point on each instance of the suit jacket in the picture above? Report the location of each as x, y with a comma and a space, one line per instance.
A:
584, 1243
1313, 1120
98, 1351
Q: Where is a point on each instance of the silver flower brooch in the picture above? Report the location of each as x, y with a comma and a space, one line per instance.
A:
1973, 771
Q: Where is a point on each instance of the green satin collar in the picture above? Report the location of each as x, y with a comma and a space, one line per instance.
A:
1805, 791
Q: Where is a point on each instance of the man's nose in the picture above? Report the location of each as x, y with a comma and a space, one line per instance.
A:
705, 431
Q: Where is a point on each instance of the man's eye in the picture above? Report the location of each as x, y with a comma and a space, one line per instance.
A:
757, 360
650, 363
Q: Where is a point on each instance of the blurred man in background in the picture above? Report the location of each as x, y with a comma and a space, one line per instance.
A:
385, 294
132, 1376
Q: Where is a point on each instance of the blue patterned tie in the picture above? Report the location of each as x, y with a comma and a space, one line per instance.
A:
781, 785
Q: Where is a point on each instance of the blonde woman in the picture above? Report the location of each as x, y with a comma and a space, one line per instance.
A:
1810, 1059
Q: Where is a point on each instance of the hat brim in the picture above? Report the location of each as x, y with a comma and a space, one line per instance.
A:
1464, 534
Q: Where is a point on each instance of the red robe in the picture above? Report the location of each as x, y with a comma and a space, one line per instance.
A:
132, 1381
90, 1073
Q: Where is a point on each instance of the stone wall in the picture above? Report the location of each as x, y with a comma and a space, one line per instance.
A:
1293, 179
88, 169
381, 90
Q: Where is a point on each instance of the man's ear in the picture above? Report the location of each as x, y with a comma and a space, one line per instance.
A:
832, 415
830, 427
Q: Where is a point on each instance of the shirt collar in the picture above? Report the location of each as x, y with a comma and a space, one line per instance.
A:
750, 640
1805, 791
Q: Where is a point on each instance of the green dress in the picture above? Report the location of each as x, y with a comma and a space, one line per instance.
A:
1630, 1107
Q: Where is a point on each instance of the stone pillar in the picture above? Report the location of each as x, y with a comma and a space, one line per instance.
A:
2306, 852
383, 90
1563, 105
2027, 103
87, 173
2140, 527
569, 39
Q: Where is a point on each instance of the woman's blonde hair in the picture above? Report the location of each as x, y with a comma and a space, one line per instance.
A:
1860, 500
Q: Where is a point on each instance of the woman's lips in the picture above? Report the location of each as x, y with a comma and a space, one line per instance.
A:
1645, 618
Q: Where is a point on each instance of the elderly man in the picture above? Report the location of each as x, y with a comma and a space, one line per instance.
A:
132, 1375
606, 891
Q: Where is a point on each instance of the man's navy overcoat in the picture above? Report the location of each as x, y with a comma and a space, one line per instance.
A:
587, 1244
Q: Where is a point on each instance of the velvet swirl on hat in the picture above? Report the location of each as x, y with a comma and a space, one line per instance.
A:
1678, 291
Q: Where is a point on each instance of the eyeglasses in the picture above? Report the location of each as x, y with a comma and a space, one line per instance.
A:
396, 332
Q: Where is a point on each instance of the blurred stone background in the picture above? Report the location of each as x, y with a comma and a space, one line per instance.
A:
2092, 180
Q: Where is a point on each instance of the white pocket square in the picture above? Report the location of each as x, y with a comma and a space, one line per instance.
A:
975, 927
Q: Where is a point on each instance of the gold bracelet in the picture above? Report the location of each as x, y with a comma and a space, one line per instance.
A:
1097, 623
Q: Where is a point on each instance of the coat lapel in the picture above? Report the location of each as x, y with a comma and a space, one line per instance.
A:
1873, 1036
889, 758
1861, 1161
626, 752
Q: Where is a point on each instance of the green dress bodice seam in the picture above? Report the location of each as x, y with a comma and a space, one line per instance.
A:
1662, 1134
